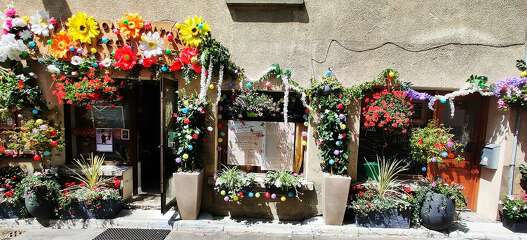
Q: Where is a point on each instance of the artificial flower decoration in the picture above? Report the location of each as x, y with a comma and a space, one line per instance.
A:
125, 58
41, 23
149, 62
60, 45
193, 31
190, 57
82, 27
151, 44
11, 48
130, 25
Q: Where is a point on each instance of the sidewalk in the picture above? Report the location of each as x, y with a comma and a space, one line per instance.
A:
226, 228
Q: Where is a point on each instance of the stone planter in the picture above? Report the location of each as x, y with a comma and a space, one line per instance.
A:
37, 205
335, 192
188, 189
518, 227
438, 211
392, 218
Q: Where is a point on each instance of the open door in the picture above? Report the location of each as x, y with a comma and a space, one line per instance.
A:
168, 108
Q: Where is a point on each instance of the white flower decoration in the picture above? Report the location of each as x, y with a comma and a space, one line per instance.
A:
25, 35
151, 44
19, 22
11, 48
106, 62
40, 23
76, 60
53, 69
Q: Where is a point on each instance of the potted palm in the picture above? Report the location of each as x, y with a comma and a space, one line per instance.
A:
94, 196
328, 101
382, 202
190, 129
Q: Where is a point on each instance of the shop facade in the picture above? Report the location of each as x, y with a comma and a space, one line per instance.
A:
137, 132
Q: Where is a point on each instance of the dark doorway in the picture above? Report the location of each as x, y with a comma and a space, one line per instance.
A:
148, 136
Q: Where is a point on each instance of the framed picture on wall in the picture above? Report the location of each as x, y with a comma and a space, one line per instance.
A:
125, 134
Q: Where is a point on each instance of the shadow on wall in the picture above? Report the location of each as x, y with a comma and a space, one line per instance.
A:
57, 8
268, 13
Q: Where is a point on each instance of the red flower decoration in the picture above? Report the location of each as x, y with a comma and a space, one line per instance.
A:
125, 58
116, 183
190, 56
340, 106
186, 121
195, 136
148, 62
176, 65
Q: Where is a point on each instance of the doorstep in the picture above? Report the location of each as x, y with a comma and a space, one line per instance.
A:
314, 227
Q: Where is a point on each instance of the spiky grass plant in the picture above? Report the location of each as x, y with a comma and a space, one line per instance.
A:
90, 170
386, 183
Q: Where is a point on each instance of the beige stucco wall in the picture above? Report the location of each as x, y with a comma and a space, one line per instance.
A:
293, 36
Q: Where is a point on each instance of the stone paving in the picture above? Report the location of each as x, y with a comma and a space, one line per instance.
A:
208, 227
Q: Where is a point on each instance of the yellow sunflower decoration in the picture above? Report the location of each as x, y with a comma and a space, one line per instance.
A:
130, 25
192, 31
82, 27
60, 45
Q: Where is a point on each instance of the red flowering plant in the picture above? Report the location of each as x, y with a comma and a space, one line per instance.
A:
87, 90
10, 178
389, 107
188, 62
434, 143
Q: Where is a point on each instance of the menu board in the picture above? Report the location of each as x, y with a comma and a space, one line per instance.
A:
268, 145
108, 117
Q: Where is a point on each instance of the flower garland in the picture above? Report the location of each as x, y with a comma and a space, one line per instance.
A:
189, 133
328, 99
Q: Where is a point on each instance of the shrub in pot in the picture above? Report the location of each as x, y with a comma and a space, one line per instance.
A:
381, 202
514, 215
234, 184
435, 204
11, 199
328, 103
190, 129
40, 193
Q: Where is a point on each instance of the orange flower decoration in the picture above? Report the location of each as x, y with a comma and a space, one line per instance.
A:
131, 25
60, 44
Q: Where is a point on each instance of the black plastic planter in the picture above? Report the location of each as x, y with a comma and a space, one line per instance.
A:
7, 211
392, 218
518, 227
37, 205
105, 209
438, 211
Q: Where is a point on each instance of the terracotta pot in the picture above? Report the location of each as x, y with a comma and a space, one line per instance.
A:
335, 192
188, 188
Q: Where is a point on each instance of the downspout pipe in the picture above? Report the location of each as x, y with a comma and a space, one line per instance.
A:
512, 167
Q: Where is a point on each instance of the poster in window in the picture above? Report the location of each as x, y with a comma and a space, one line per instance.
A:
268, 145
104, 140
246, 144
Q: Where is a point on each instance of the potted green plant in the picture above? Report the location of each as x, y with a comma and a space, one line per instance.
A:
328, 103
514, 215
251, 103
382, 202
190, 129
11, 201
94, 196
433, 144
40, 193
233, 184
435, 204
